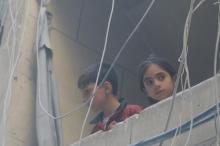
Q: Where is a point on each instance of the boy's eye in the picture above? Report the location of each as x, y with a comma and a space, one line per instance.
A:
86, 94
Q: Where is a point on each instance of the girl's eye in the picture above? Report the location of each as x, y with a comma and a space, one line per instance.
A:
148, 82
161, 77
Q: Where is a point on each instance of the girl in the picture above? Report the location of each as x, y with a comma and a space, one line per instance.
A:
157, 78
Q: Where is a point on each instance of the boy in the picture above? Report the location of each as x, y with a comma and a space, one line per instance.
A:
111, 108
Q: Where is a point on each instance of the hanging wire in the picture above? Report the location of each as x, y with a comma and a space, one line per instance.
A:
118, 54
184, 67
112, 65
128, 39
216, 88
12, 43
100, 67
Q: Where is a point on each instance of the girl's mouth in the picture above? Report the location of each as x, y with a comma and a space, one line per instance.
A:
159, 92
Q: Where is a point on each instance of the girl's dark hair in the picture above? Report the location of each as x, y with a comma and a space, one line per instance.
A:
153, 59
90, 74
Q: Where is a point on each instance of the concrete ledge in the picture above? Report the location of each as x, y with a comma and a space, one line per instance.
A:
152, 120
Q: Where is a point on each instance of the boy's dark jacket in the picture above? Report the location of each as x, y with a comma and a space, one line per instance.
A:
123, 112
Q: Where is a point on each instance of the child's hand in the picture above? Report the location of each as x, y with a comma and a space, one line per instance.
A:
111, 125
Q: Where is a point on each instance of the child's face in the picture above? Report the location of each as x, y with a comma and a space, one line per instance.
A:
158, 83
99, 96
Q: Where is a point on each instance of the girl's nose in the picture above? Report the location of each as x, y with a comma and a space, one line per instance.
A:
157, 83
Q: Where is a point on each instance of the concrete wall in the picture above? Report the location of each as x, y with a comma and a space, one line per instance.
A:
151, 121
21, 116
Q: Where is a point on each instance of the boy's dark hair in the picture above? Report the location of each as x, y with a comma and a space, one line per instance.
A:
90, 74
153, 59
